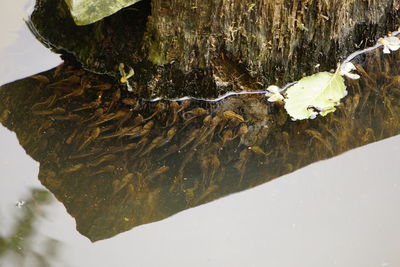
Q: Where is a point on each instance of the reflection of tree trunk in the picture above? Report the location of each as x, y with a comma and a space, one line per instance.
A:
207, 47
116, 161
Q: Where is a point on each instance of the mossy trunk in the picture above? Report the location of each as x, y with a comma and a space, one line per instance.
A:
205, 48
274, 41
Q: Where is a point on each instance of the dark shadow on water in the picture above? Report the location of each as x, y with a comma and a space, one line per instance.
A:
117, 162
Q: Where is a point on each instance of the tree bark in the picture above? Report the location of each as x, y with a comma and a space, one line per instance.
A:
206, 48
274, 41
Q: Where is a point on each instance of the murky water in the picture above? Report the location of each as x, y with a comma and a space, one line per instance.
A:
340, 212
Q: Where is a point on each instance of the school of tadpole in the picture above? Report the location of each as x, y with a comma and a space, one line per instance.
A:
116, 161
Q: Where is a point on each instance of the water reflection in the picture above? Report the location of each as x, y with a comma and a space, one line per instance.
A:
22, 247
116, 161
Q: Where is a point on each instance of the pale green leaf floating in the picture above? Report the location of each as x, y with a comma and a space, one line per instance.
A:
88, 11
315, 94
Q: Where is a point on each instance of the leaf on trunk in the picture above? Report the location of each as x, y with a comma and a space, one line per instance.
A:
315, 94
88, 11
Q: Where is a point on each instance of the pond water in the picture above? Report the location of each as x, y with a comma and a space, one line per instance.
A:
338, 212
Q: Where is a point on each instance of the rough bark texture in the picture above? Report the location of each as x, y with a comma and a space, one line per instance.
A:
204, 48
271, 39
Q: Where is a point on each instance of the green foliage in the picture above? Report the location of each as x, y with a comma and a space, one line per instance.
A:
88, 11
315, 94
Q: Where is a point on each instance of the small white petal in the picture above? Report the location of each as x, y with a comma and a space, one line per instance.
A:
130, 89
273, 89
275, 97
352, 76
345, 70
386, 49
347, 67
391, 40
393, 47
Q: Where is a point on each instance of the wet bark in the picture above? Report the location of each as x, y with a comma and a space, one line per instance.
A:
275, 40
205, 48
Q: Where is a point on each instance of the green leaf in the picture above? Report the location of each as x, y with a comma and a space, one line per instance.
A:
315, 94
88, 11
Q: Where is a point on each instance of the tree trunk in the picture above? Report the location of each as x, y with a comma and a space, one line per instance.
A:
274, 41
205, 48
